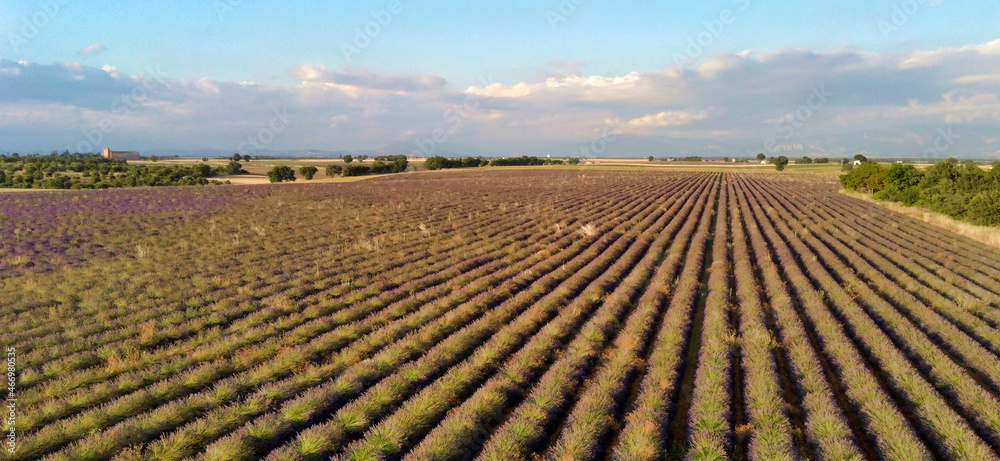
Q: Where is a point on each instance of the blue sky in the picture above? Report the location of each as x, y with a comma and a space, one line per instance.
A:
221, 66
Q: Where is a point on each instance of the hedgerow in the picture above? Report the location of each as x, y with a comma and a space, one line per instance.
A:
965, 192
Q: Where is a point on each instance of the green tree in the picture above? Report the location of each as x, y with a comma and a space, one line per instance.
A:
943, 171
334, 170
574, 161
995, 175
868, 177
761, 157
362, 158
234, 167
357, 170
153, 158
436, 162
308, 172
780, 163
348, 159
903, 176
984, 208
805, 160
237, 157
246, 158
650, 158
281, 173
901, 184
860, 158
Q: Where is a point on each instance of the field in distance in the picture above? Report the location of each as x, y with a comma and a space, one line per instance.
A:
498, 314
257, 168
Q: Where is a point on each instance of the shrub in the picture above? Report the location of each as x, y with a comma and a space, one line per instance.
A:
523, 160
868, 177
941, 171
908, 197
357, 170
780, 163
984, 209
308, 172
439, 163
384, 165
901, 184
334, 170
435, 163
281, 173
940, 200
234, 167
903, 176
390, 158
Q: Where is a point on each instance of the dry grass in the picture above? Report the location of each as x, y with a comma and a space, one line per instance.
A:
983, 234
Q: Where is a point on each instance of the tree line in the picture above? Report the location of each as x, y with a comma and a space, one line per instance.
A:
383, 164
92, 171
442, 163
963, 191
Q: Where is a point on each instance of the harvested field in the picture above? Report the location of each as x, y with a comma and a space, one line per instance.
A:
505, 314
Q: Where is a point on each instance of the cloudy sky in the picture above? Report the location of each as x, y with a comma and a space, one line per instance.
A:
915, 78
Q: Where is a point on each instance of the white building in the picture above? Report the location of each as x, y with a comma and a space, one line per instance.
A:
120, 155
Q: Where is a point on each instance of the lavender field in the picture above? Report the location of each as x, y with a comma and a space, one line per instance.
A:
561, 314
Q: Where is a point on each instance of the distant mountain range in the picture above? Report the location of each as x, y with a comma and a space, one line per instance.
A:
623, 146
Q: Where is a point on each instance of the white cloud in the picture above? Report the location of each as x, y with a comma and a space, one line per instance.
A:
93, 50
570, 82
938, 56
669, 118
825, 102
364, 79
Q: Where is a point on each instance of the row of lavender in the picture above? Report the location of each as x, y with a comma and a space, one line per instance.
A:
612, 315
104, 392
